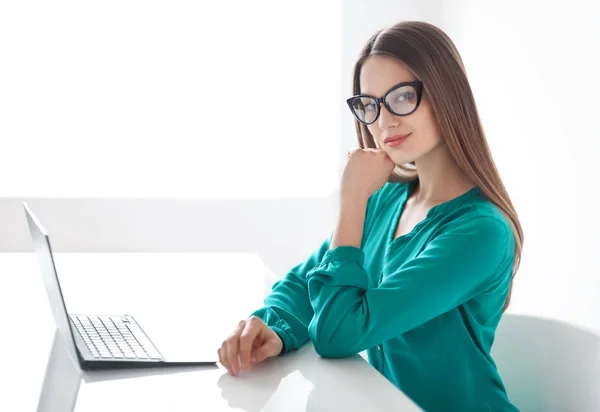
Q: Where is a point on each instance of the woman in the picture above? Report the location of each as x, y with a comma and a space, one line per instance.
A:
419, 268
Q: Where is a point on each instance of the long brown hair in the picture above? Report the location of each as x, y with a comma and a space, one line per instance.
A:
432, 56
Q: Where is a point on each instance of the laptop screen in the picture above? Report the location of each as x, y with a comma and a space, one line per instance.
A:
43, 251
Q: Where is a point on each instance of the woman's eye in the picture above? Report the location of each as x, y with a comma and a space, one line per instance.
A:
370, 107
403, 97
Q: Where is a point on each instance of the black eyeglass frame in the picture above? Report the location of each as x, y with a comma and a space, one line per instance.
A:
418, 86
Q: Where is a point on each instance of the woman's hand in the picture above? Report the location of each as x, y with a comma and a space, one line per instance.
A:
366, 171
251, 343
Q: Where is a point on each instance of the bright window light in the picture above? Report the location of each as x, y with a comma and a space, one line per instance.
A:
231, 99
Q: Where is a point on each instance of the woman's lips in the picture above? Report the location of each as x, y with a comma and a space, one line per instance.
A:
396, 140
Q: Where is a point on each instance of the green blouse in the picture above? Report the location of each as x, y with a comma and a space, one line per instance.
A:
425, 305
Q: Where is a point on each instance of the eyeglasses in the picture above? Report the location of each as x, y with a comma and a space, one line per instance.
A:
401, 100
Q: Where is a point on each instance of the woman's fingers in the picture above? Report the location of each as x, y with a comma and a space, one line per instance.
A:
220, 352
262, 353
229, 350
271, 346
247, 337
252, 342
223, 358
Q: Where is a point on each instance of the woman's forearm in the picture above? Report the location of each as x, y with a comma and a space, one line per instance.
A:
350, 223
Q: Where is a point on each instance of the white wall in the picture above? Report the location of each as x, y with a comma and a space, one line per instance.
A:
534, 69
534, 73
142, 99
127, 127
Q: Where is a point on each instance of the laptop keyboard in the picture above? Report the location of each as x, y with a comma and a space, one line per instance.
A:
114, 337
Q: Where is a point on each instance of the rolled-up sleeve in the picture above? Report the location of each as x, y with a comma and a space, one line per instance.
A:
287, 309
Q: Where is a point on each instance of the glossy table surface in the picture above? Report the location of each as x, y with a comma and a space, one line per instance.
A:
203, 293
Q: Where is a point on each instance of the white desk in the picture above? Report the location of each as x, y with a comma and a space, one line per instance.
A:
159, 289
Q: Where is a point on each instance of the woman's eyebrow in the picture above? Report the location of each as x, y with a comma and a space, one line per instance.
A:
388, 89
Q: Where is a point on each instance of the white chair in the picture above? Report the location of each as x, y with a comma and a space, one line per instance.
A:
548, 365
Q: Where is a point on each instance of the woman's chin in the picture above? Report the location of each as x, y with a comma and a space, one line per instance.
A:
399, 159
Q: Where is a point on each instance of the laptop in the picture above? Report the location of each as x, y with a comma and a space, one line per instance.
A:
106, 341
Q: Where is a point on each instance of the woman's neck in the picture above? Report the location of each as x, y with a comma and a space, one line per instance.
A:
440, 178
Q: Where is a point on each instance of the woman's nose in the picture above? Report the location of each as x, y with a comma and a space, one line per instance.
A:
387, 119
